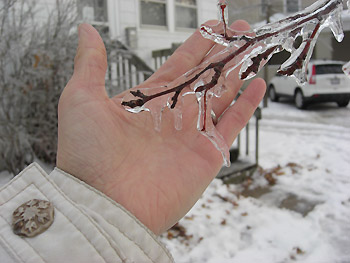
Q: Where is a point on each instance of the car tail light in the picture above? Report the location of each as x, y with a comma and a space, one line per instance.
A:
312, 79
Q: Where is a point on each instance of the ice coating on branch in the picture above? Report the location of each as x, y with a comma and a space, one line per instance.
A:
274, 37
157, 106
205, 122
223, 14
249, 51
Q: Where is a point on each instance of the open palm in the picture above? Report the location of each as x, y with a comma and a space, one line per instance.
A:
157, 176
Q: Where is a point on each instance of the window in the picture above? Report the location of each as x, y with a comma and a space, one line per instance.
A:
329, 69
93, 10
153, 12
186, 13
292, 6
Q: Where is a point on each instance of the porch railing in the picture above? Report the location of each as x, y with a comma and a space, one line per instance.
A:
243, 165
125, 68
161, 55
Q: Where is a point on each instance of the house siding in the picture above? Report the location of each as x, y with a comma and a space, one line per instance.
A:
125, 14
149, 38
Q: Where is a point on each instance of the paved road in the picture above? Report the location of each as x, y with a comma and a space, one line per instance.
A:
326, 113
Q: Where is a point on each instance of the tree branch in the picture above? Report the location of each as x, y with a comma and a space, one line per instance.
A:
295, 22
251, 50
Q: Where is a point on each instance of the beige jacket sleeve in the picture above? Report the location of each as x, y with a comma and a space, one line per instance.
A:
87, 225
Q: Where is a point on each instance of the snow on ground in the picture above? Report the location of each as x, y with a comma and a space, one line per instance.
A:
5, 176
303, 216
300, 214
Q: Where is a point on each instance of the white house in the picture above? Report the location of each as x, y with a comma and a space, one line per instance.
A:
147, 25
144, 25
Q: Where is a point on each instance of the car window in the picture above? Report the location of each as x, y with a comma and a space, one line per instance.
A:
329, 69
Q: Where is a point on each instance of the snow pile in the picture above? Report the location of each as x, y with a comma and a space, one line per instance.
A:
295, 209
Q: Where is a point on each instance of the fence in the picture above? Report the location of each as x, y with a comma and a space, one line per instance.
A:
161, 55
125, 69
243, 165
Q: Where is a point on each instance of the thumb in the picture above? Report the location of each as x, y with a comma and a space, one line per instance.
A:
90, 63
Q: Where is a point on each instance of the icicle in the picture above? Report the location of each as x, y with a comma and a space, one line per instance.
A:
177, 113
157, 119
335, 24
206, 126
250, 51
223, 14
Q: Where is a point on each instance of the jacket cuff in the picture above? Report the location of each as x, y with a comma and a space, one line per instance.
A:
87, 226
123, 227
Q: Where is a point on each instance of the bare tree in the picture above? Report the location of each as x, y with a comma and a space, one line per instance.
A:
37, 48
35, 64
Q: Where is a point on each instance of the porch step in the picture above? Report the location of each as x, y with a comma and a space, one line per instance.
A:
237, 172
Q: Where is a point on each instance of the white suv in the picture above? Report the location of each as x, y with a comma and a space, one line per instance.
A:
326, 83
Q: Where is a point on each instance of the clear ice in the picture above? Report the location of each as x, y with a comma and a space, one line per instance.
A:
249, 50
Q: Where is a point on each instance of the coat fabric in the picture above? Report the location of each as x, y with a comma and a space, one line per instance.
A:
87, 227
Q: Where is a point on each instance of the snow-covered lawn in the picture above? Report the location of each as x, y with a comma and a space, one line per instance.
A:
303, 217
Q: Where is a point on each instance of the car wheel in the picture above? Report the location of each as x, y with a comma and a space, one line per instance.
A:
272, 93
343, 103
299, 99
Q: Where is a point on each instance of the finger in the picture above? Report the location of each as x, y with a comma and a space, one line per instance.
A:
236, 117
90, 63
239, 26
186, 57
232, 82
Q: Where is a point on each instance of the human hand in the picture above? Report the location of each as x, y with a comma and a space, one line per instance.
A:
157, 176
